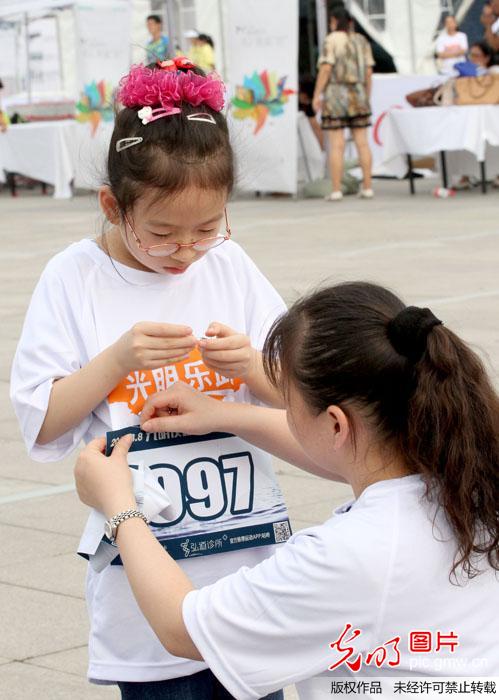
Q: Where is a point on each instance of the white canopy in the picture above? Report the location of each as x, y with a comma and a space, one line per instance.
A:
408, 33
19, 7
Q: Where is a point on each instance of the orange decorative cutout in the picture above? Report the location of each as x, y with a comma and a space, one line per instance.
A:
135, 388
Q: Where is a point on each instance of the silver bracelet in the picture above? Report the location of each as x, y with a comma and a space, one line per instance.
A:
111, 526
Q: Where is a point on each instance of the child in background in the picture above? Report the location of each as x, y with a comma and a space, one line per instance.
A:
116, 319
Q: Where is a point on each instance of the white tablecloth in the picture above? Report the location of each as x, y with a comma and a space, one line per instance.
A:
65, 153
427, 130
59, 153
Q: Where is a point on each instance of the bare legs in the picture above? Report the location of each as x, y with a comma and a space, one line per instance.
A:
336, 140
365, 157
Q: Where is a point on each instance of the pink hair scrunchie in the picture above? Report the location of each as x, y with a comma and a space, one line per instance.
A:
144, 87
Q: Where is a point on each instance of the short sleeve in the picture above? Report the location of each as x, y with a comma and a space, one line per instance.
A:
261, 629
263, 304
464, 40
327, 55
47, 350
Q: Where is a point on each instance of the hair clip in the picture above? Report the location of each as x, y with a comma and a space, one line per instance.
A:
176, 63
121, 144
202, 117
148, 114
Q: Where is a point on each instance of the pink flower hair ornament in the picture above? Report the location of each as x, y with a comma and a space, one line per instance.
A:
168, 89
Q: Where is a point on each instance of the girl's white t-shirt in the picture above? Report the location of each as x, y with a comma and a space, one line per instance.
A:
380, 565
82, 304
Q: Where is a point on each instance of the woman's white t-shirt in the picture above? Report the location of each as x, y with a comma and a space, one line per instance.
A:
380, 565
82, 304
445, 42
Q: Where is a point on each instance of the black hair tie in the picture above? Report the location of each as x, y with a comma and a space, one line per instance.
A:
408, 331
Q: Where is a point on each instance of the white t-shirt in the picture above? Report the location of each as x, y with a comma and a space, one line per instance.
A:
495, 27
445, 42
82, 304
377, 565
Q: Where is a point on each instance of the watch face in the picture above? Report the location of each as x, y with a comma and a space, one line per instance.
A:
108, 530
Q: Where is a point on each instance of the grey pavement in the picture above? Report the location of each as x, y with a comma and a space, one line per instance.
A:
442, 253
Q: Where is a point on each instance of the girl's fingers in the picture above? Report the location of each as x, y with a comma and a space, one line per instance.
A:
216, 328
164, 424
226, 370
154, 343
164, 330
232, 342
169, 357
225, 356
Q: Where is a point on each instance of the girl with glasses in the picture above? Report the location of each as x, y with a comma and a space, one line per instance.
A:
400, 582
163, 296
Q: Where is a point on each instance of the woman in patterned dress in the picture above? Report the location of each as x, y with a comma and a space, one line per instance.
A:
342, 91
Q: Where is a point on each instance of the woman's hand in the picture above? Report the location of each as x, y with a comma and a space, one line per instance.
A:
228, 352
149, 345
182, 409
105, 483
317, 103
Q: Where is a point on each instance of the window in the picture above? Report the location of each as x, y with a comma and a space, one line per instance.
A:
375, 12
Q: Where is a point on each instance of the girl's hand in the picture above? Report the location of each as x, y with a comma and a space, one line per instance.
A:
105, 483
182, 409
229, 353
149, 345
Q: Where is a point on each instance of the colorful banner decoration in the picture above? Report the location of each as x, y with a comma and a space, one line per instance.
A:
259, 96
262, 60
96, 104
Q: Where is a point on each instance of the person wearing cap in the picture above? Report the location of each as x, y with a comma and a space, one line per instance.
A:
158, 49
201, 52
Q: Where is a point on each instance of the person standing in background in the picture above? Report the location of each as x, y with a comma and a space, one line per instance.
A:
490, 20
451, 46
342, 92
201, 52
158, 49
3, 117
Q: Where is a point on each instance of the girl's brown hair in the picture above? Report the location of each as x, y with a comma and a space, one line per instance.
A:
436, 408
175, 153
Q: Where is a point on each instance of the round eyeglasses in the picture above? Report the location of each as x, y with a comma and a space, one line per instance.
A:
166, 249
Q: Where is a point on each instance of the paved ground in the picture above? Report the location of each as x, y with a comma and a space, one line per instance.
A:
444, 253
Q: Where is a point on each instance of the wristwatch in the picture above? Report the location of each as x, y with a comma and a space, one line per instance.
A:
111, 526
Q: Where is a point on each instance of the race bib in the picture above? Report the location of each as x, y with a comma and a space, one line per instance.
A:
223, 491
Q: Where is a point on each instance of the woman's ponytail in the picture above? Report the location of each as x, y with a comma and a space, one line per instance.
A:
425, 393
452, 438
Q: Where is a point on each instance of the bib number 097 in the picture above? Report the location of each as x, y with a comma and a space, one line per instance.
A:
207, 487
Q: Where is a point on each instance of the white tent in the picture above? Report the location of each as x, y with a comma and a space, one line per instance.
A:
46, 46
9, 8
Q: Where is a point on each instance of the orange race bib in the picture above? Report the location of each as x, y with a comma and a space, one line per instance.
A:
136, 387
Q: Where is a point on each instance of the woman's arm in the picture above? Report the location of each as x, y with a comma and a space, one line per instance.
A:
320, 85
369, 81
182, 409
148, 567
157, 582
